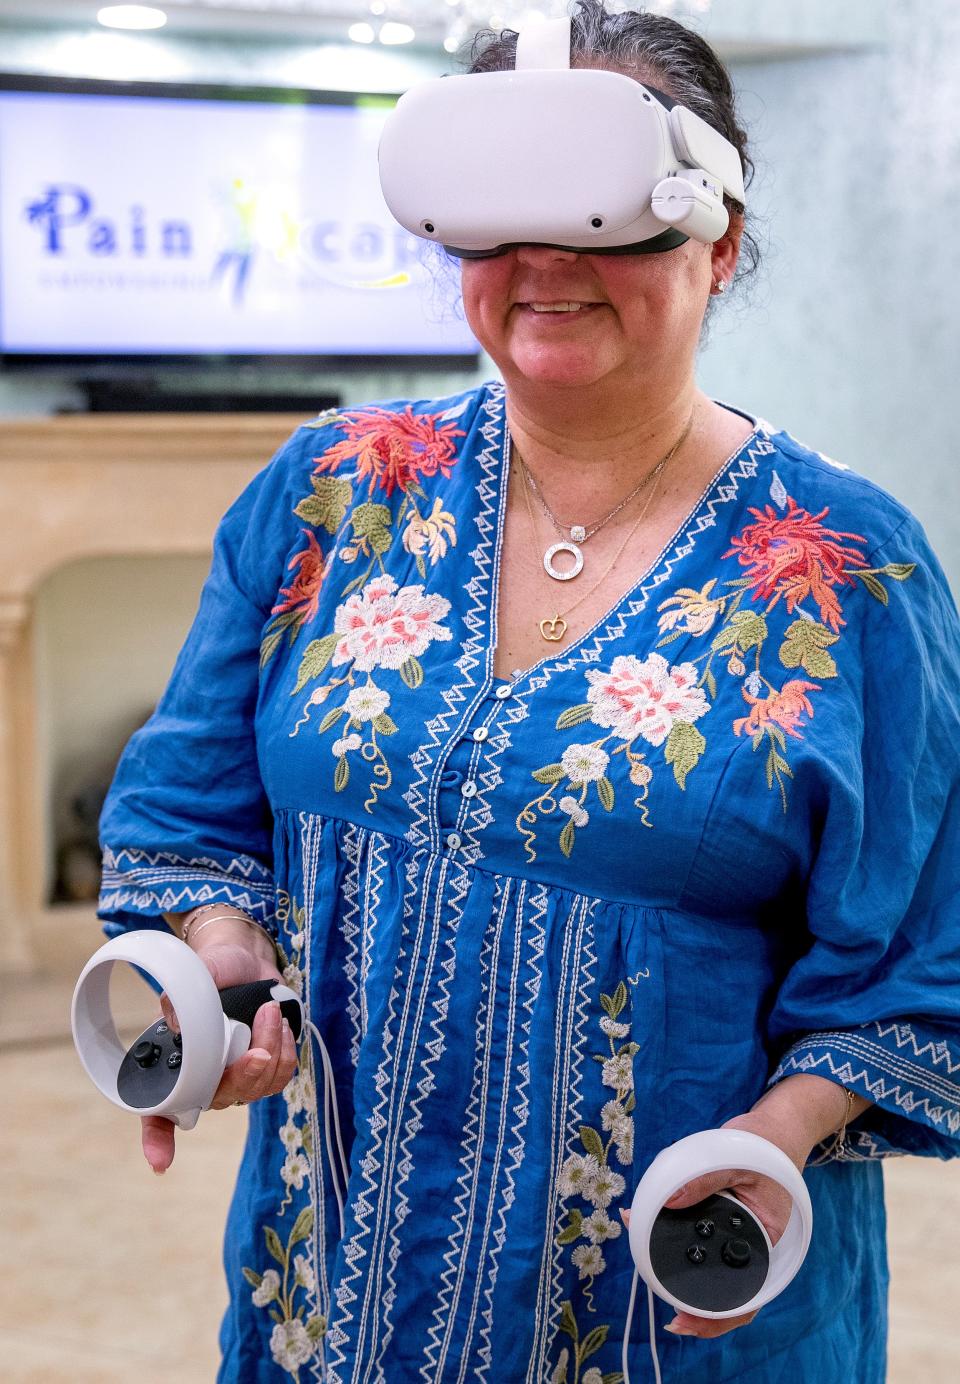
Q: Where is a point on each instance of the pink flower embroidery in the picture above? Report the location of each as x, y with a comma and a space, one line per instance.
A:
645, 698
382, 627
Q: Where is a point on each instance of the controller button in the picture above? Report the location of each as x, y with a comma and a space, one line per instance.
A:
145, 1054
736, 1253
175, 1059
178, 1040
705, 1229
736, 1222
696, 1254
162, 1027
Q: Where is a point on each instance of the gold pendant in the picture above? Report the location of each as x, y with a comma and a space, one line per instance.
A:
553, 629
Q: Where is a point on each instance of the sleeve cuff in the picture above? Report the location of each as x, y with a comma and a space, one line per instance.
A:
909, 1072
138, 886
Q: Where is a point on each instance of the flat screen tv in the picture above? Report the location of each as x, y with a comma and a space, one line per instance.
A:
152, 222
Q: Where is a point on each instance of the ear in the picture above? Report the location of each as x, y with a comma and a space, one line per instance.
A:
726, 251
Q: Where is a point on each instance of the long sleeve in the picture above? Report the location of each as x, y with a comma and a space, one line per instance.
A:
874, 1004
186, 820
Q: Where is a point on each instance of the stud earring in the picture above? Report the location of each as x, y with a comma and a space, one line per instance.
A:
721, 285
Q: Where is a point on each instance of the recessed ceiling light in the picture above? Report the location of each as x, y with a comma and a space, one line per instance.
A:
396, 33
361, 33
131, 17
451, 44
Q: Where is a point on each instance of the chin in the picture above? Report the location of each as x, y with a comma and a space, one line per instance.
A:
561, 369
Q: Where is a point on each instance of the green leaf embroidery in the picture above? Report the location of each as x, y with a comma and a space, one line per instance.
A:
326, 508
316, 656
568, 1321
899, 570
567, 838
384, 724
341, 774
306, 1134
630, 1104
605, 791
574, 716
372, 522
571, 1230
331, 719
618, 1000
274, 1245
592, 1142
874, 586
317, 1327
592, 1342
254, 1279
683, 749
711, 682
805, 646
411, 670
613, 1377
751, 628
550, 773
302, 1227
275, 1316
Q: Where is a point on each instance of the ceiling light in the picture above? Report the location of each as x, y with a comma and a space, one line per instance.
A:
451, 44
378, 7
361, 33
396, 33
131, 17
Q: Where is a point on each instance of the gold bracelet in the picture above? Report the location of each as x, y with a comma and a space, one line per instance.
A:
238, 918
835, 1149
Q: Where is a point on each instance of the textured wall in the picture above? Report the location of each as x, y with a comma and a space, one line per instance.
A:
852, 337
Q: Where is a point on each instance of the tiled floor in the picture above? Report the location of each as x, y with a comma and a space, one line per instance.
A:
110, 1275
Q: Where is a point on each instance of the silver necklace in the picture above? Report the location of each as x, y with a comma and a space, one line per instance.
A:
579, 533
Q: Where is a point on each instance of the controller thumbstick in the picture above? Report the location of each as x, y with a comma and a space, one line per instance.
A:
145, 1054
736, 1253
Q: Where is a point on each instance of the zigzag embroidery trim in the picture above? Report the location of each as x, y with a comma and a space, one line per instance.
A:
892, 1081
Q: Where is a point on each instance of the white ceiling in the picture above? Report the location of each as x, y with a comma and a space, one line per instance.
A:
737, 28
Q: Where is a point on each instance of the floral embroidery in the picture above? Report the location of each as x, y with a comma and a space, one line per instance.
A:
646, 701
791, 557
589, 1178
295, 1337
392, 451
382, 627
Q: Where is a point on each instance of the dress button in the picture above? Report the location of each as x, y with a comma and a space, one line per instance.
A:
468, 789
454, 840
504, 690
480, 733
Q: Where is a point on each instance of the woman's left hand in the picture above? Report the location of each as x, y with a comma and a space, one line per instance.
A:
796, 1115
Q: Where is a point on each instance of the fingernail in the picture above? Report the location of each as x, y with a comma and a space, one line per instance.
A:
273, 1015
679, 1330
287, 1030
159, 1172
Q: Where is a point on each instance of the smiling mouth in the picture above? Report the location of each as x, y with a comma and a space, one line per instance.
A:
565, 308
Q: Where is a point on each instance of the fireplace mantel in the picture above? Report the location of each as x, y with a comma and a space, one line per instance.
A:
85, 486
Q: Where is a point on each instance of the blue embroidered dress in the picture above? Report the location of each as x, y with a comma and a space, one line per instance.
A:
547, 926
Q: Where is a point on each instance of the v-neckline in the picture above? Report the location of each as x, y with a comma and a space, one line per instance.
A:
569, 650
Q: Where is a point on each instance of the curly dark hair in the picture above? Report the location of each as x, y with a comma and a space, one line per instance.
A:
654, 49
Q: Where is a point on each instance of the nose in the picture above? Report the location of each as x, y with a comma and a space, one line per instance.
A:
542, 256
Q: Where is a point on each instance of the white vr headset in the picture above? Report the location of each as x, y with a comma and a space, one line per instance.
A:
576, 158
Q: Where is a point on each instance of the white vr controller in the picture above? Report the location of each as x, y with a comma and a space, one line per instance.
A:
162, 1072
715, 1259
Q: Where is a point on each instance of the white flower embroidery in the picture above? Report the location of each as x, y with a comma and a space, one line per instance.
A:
592, 1376
618, 1072
588, 1260
584, 763
599, 1227
347, 743
578, 1175
290, 1345
303, 1273
293, 977
294, 1170
290, 1136
610, 1026
605, 1187
559, 1374
381, 627
645, 698
366, 704
299, 1094
296, 941
268, 1290
573, 809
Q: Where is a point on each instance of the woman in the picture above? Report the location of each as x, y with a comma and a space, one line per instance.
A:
565, 869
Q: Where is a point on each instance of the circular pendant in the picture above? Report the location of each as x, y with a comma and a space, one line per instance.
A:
553, 629
563, 547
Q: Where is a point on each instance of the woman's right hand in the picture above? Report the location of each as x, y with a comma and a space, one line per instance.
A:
263, 1070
